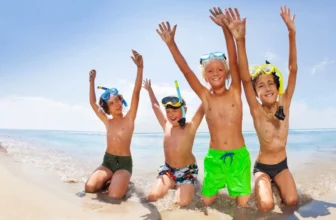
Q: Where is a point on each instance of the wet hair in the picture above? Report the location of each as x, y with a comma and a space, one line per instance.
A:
275, 78
103, 104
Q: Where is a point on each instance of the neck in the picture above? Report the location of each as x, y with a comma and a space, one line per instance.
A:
271, 108
118, 116
219, 91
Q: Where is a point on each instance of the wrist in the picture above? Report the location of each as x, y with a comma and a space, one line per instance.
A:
291, 32
170, 43
240, 40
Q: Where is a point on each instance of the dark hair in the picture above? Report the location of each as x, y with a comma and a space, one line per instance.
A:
275, 78
104, 106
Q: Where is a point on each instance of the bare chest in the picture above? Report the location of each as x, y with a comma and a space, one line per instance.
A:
120, 130
223, 110
271, 131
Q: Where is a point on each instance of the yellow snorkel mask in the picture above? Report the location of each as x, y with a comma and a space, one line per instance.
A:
268, 69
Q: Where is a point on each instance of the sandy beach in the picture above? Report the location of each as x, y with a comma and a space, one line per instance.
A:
28, 192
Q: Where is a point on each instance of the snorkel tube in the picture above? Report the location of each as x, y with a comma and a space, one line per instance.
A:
108, 92
279, 114
182, 121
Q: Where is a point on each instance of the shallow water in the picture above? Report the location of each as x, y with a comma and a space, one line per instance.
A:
74, 155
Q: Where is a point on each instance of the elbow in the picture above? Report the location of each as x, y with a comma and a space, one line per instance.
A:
155, 106
246, 80
293, 68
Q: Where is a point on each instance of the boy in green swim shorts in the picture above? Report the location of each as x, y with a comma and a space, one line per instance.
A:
227, 163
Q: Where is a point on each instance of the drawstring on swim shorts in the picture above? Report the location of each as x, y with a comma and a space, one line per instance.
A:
228, 154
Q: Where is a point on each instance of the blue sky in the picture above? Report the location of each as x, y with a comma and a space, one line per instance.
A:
48, 48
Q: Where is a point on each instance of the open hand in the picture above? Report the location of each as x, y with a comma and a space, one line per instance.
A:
218, 16
236, 25
92, 75
137, 59
289, 21
166, 33
146, 84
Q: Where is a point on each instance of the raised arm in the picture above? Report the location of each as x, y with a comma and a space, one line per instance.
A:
155, 104
198, 117
93, 102
137, 59
167, 34
238, 29
218, 17
292, 62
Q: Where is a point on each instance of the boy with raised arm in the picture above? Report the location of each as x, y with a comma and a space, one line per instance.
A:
227, 163
180, 169
271, 164
117, 164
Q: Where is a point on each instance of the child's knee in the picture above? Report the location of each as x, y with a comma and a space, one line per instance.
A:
265, 205
116, 195
90, 188
291, 200
243, 201
153, 196
208, 200
184, 202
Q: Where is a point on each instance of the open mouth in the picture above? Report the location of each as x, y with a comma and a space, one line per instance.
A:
215, 78
173, 119
269, 95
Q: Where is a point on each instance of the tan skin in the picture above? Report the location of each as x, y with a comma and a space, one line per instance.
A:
177, 144
222, 107
119, 130
272, 133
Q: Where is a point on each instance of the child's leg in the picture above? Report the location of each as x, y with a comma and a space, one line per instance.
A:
263, 191
184, 194
243, 200
97, 179
208, 200
119, 184
239, 176
160, 188
214, 176
285, 181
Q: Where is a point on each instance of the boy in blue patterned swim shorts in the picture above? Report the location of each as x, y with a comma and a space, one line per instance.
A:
180, 169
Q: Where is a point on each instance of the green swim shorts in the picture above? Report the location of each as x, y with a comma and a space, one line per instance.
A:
227, 168
115, 163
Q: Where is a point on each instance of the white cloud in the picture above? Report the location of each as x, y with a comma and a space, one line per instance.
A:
320, 66
270, 56
44, 113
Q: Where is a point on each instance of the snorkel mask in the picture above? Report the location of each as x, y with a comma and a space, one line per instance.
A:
172, 102
108, 92
268, 69
218, 55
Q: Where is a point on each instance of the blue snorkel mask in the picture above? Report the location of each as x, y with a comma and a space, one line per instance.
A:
108, 92
216, 55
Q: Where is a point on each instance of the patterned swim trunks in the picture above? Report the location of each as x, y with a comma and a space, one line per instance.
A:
185, 175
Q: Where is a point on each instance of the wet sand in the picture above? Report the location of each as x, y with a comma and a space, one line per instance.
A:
28, 192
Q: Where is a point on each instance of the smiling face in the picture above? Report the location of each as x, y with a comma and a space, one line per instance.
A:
215, 73
266, 89
174, 115
113, 106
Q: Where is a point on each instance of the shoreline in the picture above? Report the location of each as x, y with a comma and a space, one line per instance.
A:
29, 192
